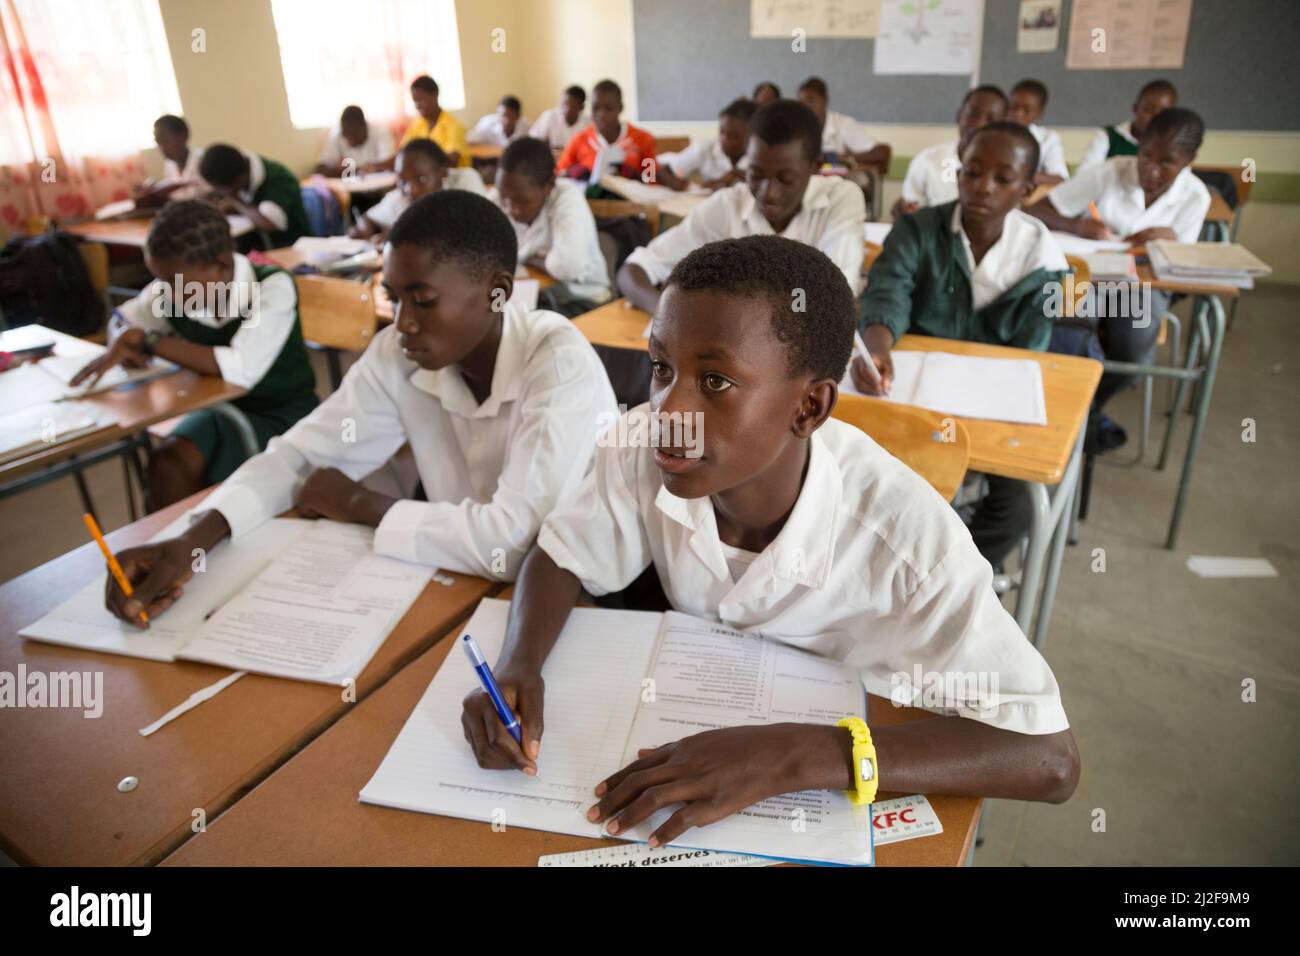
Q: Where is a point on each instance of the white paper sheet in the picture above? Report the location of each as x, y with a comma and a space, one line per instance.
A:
1128, 34
37, 426
935, 36
526, 293
1072, 245
1212, 566
817, 18
1004, 390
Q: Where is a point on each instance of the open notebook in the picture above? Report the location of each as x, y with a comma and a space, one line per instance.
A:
1002, 390
48, 380
601, 708
306, 600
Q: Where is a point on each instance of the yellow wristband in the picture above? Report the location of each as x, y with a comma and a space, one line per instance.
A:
865, 769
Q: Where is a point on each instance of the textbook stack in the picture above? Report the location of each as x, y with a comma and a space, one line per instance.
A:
1206, 263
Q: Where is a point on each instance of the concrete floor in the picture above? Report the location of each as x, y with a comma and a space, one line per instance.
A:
1150, 658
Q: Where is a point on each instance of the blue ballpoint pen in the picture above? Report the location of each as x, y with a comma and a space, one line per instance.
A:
480, 665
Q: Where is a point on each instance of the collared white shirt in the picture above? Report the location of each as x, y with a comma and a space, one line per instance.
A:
270, 316
256, 176
564, 233
707, 159
1099, 147
1051, 153
491, 472
830, 218
492, 131
872, 569
1025, 246
932, 175
377, 147
385, 212
843, 134
552, 128
172, 172
1115, 188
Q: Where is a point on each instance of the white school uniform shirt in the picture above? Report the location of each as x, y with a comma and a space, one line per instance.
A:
385, 212
491, 472
564, 233
377, 147
1115, 188
551, 127
278, 217
830, 218
1099, 146
173, 172
707, 159
1026, 245
932, 175
491, 131
270, 317
872, 569
843, 134
1051, 153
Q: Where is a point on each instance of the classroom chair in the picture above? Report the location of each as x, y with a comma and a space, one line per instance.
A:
671, 144
871, 252
337, 315
936, 447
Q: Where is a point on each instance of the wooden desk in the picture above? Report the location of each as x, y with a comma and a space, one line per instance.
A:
114, 232
1219, 211
307, 813
485, 152
59, 802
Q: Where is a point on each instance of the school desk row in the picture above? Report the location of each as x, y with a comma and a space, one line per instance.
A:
268, 771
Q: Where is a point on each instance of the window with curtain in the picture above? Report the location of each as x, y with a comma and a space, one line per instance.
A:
338, 52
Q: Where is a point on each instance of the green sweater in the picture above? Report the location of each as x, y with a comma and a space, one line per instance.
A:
281, 187
1120, 145
921, 284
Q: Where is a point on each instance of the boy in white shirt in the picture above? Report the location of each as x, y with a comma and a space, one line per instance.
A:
354, 146
559, 124
422, 168
786, 523
553, 223
844, 139
782, 195
932, 174
1027, 105
719, 162
504, 126
1122, 138
1153, 195
500, 406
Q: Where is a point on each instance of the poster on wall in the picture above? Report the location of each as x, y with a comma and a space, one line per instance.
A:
928, 36
1039, 30
816, 18
1128, 34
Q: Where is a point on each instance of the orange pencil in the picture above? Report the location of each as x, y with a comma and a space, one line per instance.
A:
1092, 209
113, 567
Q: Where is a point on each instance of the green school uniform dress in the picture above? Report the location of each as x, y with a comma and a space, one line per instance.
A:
921, 283
281, 187
286, 393
1120, 145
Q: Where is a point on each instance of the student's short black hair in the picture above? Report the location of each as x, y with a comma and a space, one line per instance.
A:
222, 164
577, 92
1033, 88
1016, 132
428, 149
815, 84
1183, 128
608, 86
740, 109
1158, 86
189, 230
770, 85
461, 227
819, 338
986, 88
785, 121
173, 124
529, 156
351, 114
425, 84
512, 103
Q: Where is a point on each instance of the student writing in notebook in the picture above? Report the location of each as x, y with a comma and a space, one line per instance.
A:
422, 168
788, 523
354, 146
932, 174
246, 184
504, 126
781, 195
213, 311
977, 269
499, 405
559, 124
180, 178
1122, 138
1028, 103
844, 139
717, 162
1153, 195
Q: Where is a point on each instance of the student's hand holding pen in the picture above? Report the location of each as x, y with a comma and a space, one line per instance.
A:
1092, 229
877, 341
494, 746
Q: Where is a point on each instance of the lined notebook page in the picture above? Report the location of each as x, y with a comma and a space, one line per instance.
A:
593, 684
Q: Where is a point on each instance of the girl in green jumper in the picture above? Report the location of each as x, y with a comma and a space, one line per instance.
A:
212, 311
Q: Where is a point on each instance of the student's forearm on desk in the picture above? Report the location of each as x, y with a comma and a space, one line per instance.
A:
1044, 210
637, 287
200, 358
208, 530
544, 595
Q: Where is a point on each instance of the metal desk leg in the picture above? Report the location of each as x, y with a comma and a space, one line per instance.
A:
1193, 350
1202, 411
1040, 536
1064, 504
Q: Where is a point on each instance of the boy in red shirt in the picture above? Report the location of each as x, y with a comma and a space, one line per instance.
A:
608, 145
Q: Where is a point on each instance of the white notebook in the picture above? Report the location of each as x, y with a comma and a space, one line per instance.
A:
600, 710
306, 600
968, 386
47, 380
